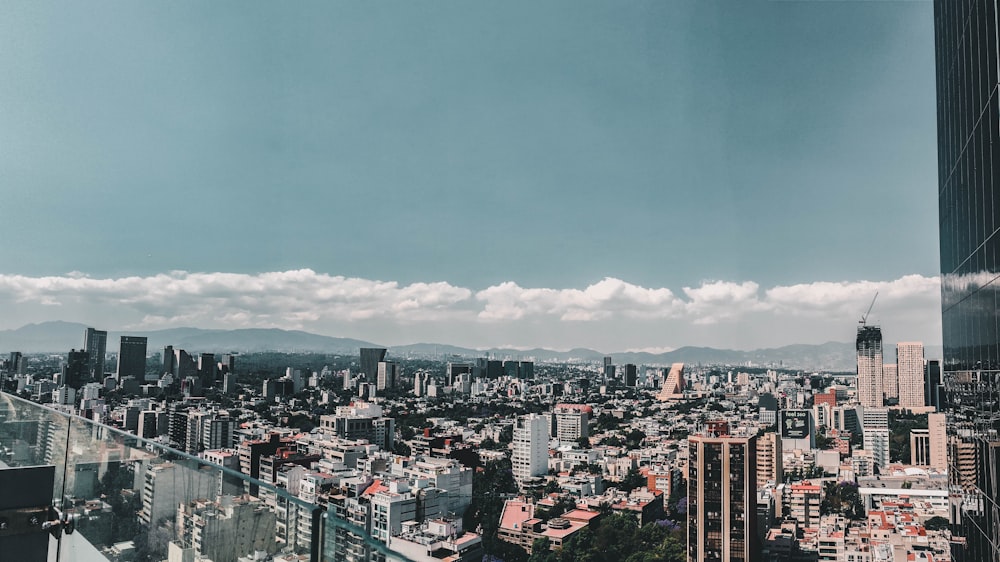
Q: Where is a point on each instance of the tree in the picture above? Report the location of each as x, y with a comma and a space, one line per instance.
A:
541, 551
631, 481
583, 442
634, 438
937, 523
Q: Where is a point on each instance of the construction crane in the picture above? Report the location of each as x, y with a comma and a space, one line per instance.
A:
864, 318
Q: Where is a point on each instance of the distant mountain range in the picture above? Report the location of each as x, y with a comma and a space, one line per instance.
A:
60, 337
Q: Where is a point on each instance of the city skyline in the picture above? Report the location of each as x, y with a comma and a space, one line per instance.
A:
503, 159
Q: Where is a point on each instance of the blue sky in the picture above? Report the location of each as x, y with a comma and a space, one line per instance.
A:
484, 149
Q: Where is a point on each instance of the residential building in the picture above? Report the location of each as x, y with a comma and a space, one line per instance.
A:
722, 498
890, 381
769, 461
920, 447
875, 433
530, 447
910, 363
938, 441
571, 421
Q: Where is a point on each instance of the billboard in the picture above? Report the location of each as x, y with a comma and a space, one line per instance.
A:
795, 424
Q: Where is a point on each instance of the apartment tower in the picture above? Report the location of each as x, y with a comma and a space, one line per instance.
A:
722, 497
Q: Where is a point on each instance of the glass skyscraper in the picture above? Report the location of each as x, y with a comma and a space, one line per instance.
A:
969, 216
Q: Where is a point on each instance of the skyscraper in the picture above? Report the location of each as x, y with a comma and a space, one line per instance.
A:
95, 343
869, 381
722, 497
75, 370
132, 358
968, 113
932, 384
910, 369
370, 357
387, 373
890, 381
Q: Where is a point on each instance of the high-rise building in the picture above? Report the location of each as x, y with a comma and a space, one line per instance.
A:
722, 498
386, 375
75, 371
453, 370
938, 441
890, 381
95, 343
208, 369
869, 381
131, 358
875, 434
966, 52
530, 447
910, 366
769, 459
167, 360
932, 384
370, 358
630, 375
572, 421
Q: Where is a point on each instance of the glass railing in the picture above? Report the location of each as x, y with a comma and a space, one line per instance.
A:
119, 498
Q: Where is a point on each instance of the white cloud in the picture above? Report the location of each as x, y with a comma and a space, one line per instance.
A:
287, 299
304, 299
606, 298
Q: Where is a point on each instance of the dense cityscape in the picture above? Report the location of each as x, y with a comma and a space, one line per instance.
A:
732, 178
461, 459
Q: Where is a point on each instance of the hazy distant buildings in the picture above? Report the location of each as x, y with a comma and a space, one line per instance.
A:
630, 375
370, 358
869, 379
131, 358
75, 372
95, 343
387, 373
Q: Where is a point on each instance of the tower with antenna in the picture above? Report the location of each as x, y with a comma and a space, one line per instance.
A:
869, 348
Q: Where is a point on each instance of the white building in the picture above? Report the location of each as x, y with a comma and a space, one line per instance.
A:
572, 422
531, 447
875, 429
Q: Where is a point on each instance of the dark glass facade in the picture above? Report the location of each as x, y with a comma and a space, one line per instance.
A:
722, 499
969, 218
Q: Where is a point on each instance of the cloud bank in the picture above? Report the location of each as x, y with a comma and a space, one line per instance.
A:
305, 299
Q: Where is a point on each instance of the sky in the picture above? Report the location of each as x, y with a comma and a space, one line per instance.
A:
644, 175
